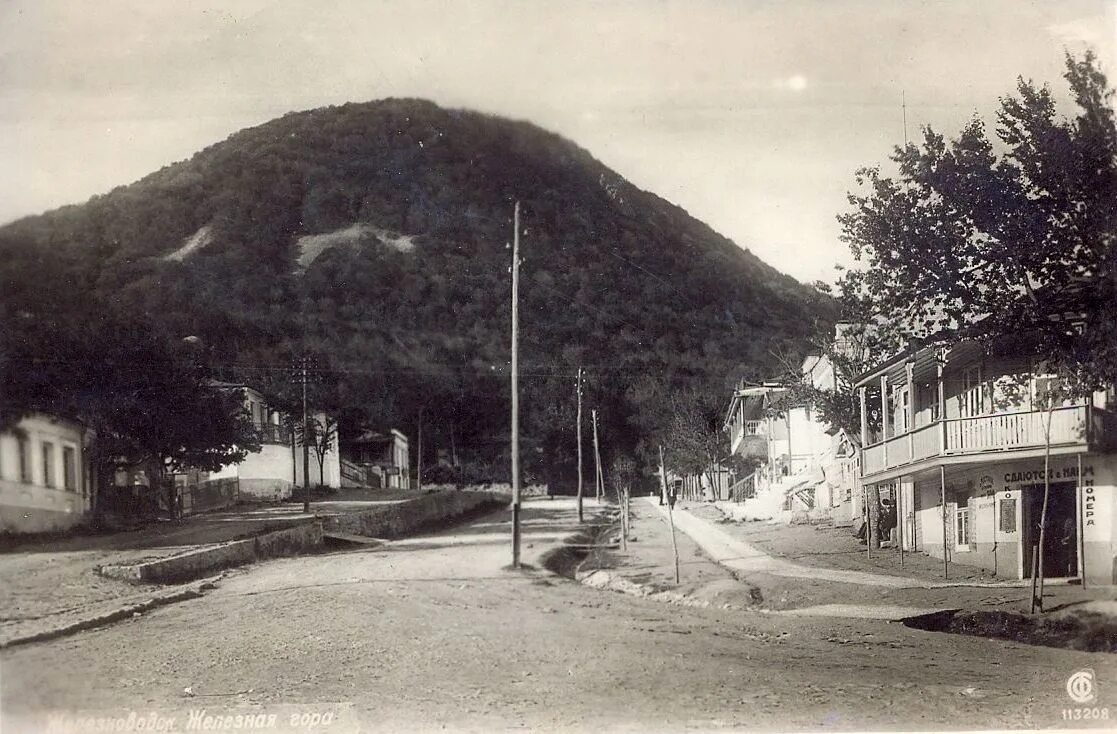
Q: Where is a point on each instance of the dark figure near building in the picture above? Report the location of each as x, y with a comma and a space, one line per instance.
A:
672, 495
887, 515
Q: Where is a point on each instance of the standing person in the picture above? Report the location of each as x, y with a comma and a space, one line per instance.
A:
888, 519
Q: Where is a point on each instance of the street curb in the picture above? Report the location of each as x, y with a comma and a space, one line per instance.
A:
171, 596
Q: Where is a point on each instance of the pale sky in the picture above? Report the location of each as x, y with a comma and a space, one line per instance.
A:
753, 116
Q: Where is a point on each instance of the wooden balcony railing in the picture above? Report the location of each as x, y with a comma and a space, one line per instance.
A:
272, 433
1015, 430
355, 473
1073, 425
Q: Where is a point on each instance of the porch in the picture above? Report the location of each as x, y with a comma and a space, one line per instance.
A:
1073, 429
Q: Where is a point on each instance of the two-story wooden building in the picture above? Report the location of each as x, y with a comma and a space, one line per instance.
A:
958, 439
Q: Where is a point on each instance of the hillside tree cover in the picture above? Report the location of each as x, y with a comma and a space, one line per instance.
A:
405, 305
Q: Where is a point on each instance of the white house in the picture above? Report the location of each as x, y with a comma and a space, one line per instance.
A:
45, 479
274, 471
805, 466
385, 455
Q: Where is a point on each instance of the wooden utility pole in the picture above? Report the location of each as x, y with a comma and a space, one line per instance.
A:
419, 455
306, 448
453, 446
516, 387
579, 388
599, 481
670, 513
1037, 600
945, 549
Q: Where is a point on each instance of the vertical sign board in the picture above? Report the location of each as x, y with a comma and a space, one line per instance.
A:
1008, 513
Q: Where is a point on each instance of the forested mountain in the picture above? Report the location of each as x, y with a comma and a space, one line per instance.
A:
374, 237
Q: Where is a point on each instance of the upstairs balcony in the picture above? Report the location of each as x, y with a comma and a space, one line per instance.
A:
272, 433
1076, 427
749, 437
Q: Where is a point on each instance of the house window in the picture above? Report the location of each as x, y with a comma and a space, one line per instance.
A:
70, 468
1047, 389
972, 399
901, 404
926, 404
24, 460
962, 528
48, 464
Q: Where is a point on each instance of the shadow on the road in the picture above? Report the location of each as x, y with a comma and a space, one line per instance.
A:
404, 547
518, 576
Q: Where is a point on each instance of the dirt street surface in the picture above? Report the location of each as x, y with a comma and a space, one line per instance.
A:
433, 633
48, 581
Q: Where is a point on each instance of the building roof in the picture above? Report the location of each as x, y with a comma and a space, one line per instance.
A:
372, 436
755, 398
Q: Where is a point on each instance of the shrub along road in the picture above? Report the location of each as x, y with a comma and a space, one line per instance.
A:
432, 631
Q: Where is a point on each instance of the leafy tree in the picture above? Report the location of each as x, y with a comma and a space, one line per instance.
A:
696, 443
321, 437
149, 401
1006, 241
853, 351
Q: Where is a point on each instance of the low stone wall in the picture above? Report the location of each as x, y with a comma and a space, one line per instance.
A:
385, 521
399, 519
197, 563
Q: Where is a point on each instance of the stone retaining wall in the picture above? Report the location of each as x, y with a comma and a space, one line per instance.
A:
397, 520
197, 563
386, 521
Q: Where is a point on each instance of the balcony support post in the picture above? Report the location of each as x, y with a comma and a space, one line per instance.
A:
884, 416
939, 362
910, 370
864, 417
945, 549
1081, 526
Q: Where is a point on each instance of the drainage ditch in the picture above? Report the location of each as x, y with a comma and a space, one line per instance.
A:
588, 547
1085, 631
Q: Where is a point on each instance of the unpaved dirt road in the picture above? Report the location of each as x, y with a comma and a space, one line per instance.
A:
432, 633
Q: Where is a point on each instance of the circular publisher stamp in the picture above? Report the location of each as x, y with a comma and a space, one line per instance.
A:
1081, 687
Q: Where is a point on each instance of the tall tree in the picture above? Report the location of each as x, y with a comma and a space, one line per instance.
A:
321, 438
1007, 241
149, 400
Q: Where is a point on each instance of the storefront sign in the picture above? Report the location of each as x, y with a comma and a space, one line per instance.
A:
1069, 472
1089, 505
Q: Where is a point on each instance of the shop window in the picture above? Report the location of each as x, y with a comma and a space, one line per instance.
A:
962, 528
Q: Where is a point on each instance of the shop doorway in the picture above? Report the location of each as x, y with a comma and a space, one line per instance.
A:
1060, 553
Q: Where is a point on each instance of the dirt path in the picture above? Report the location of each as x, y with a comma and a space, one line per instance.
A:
790, 584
